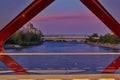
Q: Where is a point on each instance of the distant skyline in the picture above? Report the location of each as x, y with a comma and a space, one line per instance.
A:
61, 17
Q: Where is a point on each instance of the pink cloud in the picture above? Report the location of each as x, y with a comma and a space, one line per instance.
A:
67, 17
78, 22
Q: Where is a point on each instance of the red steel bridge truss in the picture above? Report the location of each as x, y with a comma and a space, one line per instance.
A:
36, 7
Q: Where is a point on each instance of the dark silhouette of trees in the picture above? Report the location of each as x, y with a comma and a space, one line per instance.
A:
107, 38
25, 39
91, 38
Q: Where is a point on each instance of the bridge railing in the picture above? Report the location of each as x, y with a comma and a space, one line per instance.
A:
61, 66
62, 63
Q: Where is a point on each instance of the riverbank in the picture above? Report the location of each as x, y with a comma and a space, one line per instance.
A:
17, 46
107, 45
12, 46
62, 47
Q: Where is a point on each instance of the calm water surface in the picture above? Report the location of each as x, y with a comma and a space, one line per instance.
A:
59, 47
84, 64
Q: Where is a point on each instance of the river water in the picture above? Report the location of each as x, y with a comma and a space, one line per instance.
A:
61, 47
65, 64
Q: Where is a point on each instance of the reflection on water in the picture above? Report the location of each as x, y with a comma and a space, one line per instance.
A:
62, 64
72, 64
61, 47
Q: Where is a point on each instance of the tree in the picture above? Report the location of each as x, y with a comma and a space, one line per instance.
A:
25, 39
91, 38
107, 38
94, 35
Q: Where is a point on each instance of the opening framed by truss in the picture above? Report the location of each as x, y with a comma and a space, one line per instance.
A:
39, 5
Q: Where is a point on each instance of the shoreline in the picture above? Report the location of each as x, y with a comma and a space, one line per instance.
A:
17, 46
12, 46
107, 45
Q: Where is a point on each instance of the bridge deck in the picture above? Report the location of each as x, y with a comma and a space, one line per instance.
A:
62, 77
67, 38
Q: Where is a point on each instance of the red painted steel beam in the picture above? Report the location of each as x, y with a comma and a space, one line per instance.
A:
110, 22
8, 61
113, 67
103, 15
31, 11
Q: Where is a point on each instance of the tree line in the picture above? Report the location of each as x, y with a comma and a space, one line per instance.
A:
25, 38
107, 38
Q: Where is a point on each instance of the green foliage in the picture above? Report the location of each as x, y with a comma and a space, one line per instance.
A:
91, 38
109, 39
94, 35
25, 39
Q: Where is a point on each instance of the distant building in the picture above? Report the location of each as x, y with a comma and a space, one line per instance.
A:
38, 32
111, 33
30, 28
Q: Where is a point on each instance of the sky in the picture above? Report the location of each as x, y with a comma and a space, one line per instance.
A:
113, 7
62, 17
68, 17
10, 9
